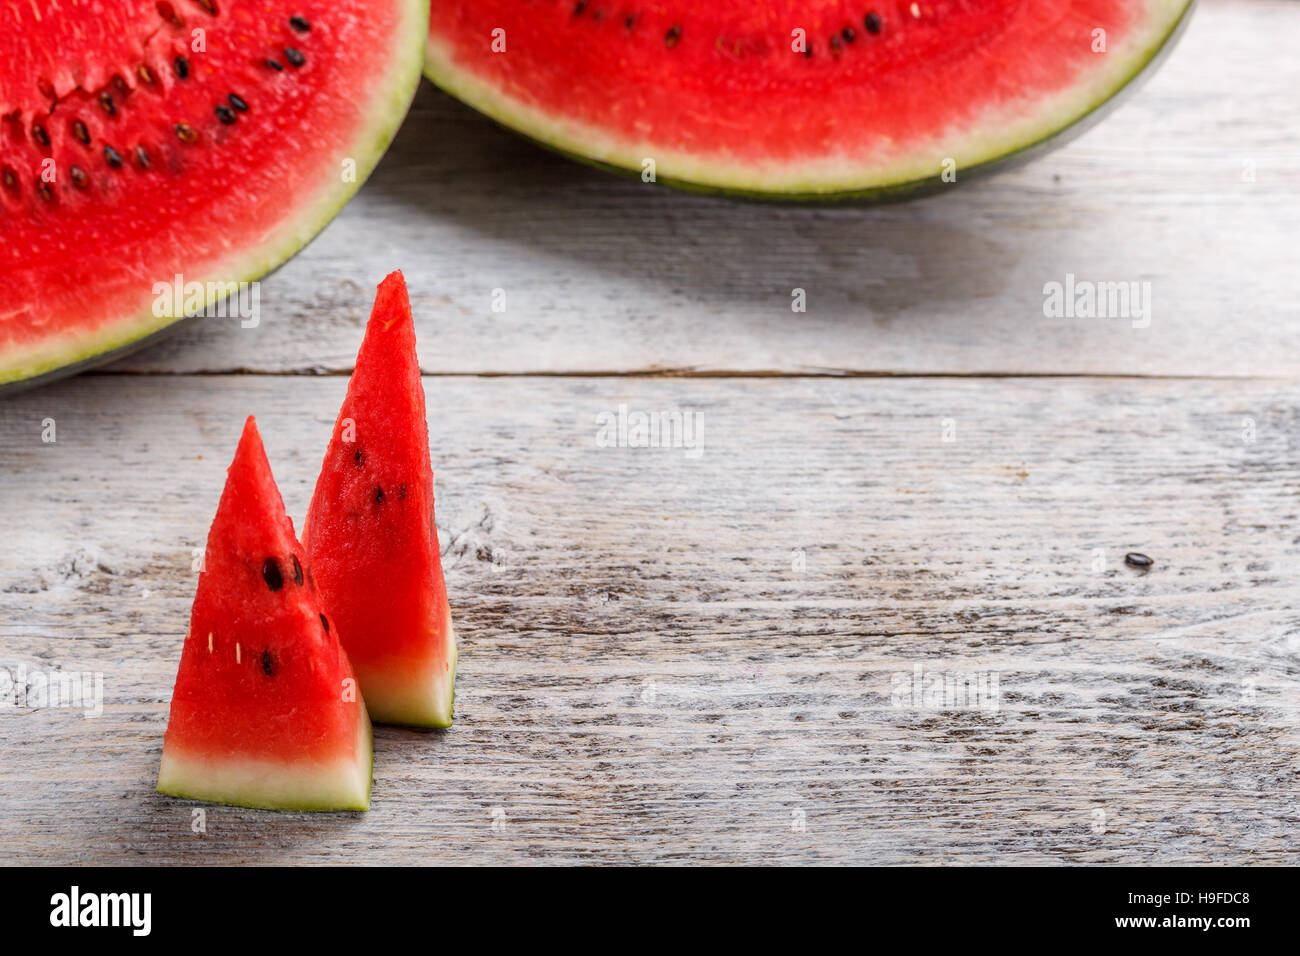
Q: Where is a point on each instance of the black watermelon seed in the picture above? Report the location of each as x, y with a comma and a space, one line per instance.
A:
40, 135
185, 132
271, 574
324, 623
44, 191
78, 177
9, 178
266, 663
224, 113
107, 103
294, 56
297, 569
579, 8
807, 51
630, 22
168, 13
182, 67
300, 24
113, 157
274, 64
208, 5
1136, 559
79, 130
673, 35
359, 458
872, 22
379, 495
848, 34
142, 157
237, 102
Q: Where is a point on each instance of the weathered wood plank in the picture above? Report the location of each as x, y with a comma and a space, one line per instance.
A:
602, 274
648, 673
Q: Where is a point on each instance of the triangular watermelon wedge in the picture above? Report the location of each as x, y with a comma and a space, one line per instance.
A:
266, 711
370, 533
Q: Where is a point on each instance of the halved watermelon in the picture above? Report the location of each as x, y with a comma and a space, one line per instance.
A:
790, 98
157, 154
266, 711
370, 534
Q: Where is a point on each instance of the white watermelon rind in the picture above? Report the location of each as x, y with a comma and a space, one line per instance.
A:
990, 143
58, 356
396, 696
261, 784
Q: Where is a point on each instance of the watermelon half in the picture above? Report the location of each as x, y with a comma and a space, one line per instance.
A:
266, 711
157, 154
370, 533
791, 98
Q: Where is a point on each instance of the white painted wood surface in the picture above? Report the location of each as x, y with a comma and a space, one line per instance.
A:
670, 657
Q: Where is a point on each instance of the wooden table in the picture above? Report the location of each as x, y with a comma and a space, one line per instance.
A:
672, 655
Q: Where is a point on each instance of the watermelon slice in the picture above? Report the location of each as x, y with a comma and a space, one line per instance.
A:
157, 154
873, 98
370, 533
265, 712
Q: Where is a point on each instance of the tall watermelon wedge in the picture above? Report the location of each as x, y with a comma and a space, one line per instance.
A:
265, 712
154, 155
797, 99
370, 533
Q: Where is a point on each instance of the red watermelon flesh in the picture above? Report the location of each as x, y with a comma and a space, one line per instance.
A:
794, 97
265, 711
370, 534
206, 139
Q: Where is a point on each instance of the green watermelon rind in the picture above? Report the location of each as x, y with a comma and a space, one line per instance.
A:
528, 121
231, 798
26, 367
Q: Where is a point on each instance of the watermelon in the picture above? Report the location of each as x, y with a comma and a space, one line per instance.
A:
158, 154
265, 712
801, 100
370, 534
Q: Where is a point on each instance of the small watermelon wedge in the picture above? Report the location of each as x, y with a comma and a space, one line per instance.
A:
370, 534
266, 711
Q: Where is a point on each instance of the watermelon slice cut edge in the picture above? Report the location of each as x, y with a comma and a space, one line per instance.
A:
156, 175
711, 96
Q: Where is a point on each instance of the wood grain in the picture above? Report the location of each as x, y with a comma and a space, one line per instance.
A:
646, 674
606, 275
